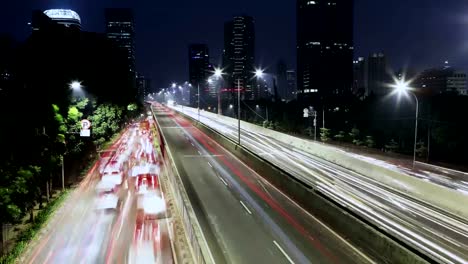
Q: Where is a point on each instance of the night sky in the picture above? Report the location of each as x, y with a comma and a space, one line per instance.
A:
417, 34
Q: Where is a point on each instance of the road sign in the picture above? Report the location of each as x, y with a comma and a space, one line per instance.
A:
306, 112
85, 128
85, 124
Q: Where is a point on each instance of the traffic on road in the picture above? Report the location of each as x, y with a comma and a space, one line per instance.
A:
118, 212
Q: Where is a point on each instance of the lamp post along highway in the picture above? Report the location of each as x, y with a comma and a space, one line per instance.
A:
218, 73
198, 103
402, 87
74, 86
238, 113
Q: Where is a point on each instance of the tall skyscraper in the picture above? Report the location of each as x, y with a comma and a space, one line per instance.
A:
199, 63
324, 47
360, 74
143, 85
239, 56
292, 85
120, 29
281, 74
378, 74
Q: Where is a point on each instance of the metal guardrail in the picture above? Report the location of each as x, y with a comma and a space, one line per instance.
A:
197, 242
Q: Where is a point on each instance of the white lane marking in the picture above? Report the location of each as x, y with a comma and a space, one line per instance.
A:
199, 153
210, 165
225, 183
245, 207
282, 251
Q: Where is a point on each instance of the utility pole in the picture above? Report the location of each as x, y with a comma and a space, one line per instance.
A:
63, 173
428, 142
238, 112
219, 101
198, 103
323, 116
315, 125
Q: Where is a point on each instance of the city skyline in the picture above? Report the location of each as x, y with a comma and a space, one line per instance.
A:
275, 131
165, 35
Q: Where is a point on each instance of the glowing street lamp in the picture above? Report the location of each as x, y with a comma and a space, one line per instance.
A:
402, 87
259, 73
218, 73
75, 85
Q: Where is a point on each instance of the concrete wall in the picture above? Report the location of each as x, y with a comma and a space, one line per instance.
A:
438, 196
360, 233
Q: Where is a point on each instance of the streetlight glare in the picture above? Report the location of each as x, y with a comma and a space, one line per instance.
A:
218, 72
174, 85
259, 73
75, 85
401, 86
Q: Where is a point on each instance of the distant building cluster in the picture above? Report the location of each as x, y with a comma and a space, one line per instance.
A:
238, 67
372, 75
442, 80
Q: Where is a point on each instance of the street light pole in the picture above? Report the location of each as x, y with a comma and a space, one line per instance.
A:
219, 100
323, 116
415, 128
63, 173
198, 103
238, 112
402, 86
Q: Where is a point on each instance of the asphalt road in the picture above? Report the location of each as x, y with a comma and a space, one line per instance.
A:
435, 232
244, 218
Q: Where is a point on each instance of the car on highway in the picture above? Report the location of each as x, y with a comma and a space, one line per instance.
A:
146, 246
151, 204
108, 203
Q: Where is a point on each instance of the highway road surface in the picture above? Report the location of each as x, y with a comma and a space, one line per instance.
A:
436, 233
243, 217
